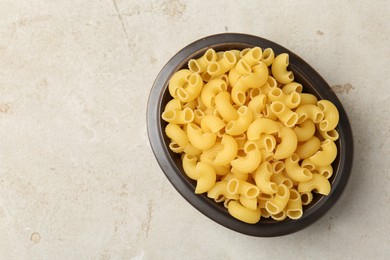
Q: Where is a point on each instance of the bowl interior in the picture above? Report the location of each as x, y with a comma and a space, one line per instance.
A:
171, 163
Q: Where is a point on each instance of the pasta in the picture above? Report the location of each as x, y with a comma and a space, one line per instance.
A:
248, 135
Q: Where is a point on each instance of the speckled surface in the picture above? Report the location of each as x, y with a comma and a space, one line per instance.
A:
78, 179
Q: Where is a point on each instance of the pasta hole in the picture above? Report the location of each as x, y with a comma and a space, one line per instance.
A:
318, 117
323, 125
254, 92
229, 126
295, 98
241, 97
264, 213
242, 110
274, 187
182, 93
288, 183
210, 55
278, 167
271, 208
277, 107
321, 105
232, 186
265, 196
168, 115
223, 86
306, 198
250, 146
326, 174
272, 82
213, 68
193, 66
268, 166
269, 145
256, 53
291, 75
243, 67
276, 92
252, 192
333, 134
281, 191
244, 52
225, 78
294, 195
193, 79
295, 157
294, 213
292, 120
302, 118
206, 76
266, 53
188, 115
279, 215
306, 172
219, 198
230, 57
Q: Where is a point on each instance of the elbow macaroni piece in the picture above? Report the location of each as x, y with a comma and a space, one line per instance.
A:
247, 134
279, 69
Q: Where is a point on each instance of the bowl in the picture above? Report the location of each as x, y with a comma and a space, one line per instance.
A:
171, 164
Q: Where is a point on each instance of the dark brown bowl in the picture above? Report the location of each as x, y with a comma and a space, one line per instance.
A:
171, 164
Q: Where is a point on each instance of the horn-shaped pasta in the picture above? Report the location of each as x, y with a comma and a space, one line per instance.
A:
262, 178
268, 56
279, 69
220, 188
219, 67
331, 117
211, 124
308, 148
326, 155
253, 56
308, 99
241, 124
262, 126
280, 200
241, 213
229, 151
210, 90
291, 100
293, 87
305, 130
177, 135
249, 163
288, 144
200, 65
178, 80
207, 177
294, 171
318, 183
312, 112
189, 166
190, 91
285, 115
197, 138
294, 205
224, 107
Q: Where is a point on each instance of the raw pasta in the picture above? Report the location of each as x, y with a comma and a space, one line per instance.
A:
249, 136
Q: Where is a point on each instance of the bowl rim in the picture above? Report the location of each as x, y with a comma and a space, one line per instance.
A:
201, 202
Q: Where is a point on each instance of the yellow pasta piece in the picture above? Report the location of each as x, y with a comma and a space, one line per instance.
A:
318, 183
198, 139
210, 90
229, 152
262, 178
285, 115
178, 80
280, 200
331, 115
262, 126
308, 148
241, 124
200, 65
326, 155
294, 205
268, 56
296, 172
244, 214
288, 144
207, 177
191, 90
312, 112
279, 69
305, 130
219, 67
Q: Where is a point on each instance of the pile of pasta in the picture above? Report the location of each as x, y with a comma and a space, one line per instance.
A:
248, 135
